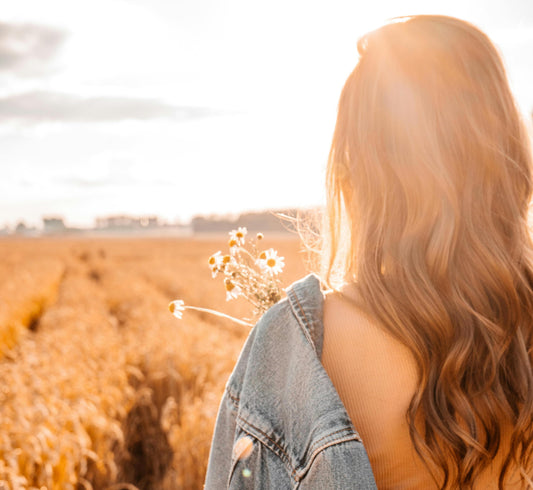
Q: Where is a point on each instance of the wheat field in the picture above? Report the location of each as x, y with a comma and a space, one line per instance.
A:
102, 388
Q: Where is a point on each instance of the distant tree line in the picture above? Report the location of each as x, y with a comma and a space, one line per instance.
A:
279, 221
273, 221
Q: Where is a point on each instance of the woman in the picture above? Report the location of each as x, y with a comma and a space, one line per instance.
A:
415, 370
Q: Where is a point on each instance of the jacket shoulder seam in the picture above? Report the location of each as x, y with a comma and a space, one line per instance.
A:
304, 324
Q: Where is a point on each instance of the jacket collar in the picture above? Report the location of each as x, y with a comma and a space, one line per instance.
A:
307, 302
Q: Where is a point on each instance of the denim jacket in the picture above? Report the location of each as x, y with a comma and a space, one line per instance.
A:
281, 423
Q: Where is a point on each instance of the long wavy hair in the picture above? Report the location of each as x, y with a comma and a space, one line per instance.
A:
429, 181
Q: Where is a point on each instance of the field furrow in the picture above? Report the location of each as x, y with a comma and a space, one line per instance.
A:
27, 287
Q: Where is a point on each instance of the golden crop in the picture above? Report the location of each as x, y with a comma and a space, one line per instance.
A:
101, 387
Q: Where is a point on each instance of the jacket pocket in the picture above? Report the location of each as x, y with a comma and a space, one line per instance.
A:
254, 466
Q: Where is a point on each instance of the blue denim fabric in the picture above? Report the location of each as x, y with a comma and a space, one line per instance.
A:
281, 401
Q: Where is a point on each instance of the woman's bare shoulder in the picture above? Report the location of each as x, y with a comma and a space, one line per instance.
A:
362, 356
345, 311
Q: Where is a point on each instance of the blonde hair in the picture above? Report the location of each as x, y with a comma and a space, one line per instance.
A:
429, 182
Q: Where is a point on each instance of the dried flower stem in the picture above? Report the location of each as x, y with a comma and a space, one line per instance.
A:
218, 313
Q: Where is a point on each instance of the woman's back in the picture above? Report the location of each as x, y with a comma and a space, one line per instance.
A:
429, 183
375, 376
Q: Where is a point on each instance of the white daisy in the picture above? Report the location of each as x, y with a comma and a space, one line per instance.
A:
228, 259
238, 235
233, 246
215, 263
270, 262
177, 308
232, 290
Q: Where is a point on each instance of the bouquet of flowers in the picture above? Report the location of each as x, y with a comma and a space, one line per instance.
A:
248, 272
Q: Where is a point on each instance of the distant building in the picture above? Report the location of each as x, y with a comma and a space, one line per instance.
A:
22, 229
125, 222
117, 222
150, 221
53, 224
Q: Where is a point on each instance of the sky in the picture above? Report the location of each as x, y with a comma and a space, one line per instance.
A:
187, 107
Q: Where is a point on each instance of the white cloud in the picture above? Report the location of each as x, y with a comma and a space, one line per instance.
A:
28, 49
42, 106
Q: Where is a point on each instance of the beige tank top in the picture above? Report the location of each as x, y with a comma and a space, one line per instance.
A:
375, 376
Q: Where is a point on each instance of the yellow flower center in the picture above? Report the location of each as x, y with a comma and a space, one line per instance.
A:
226, 259
212, 260
259, 236
171, 307
271, 262
239, 234
262, 255
232, 243
229, 286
